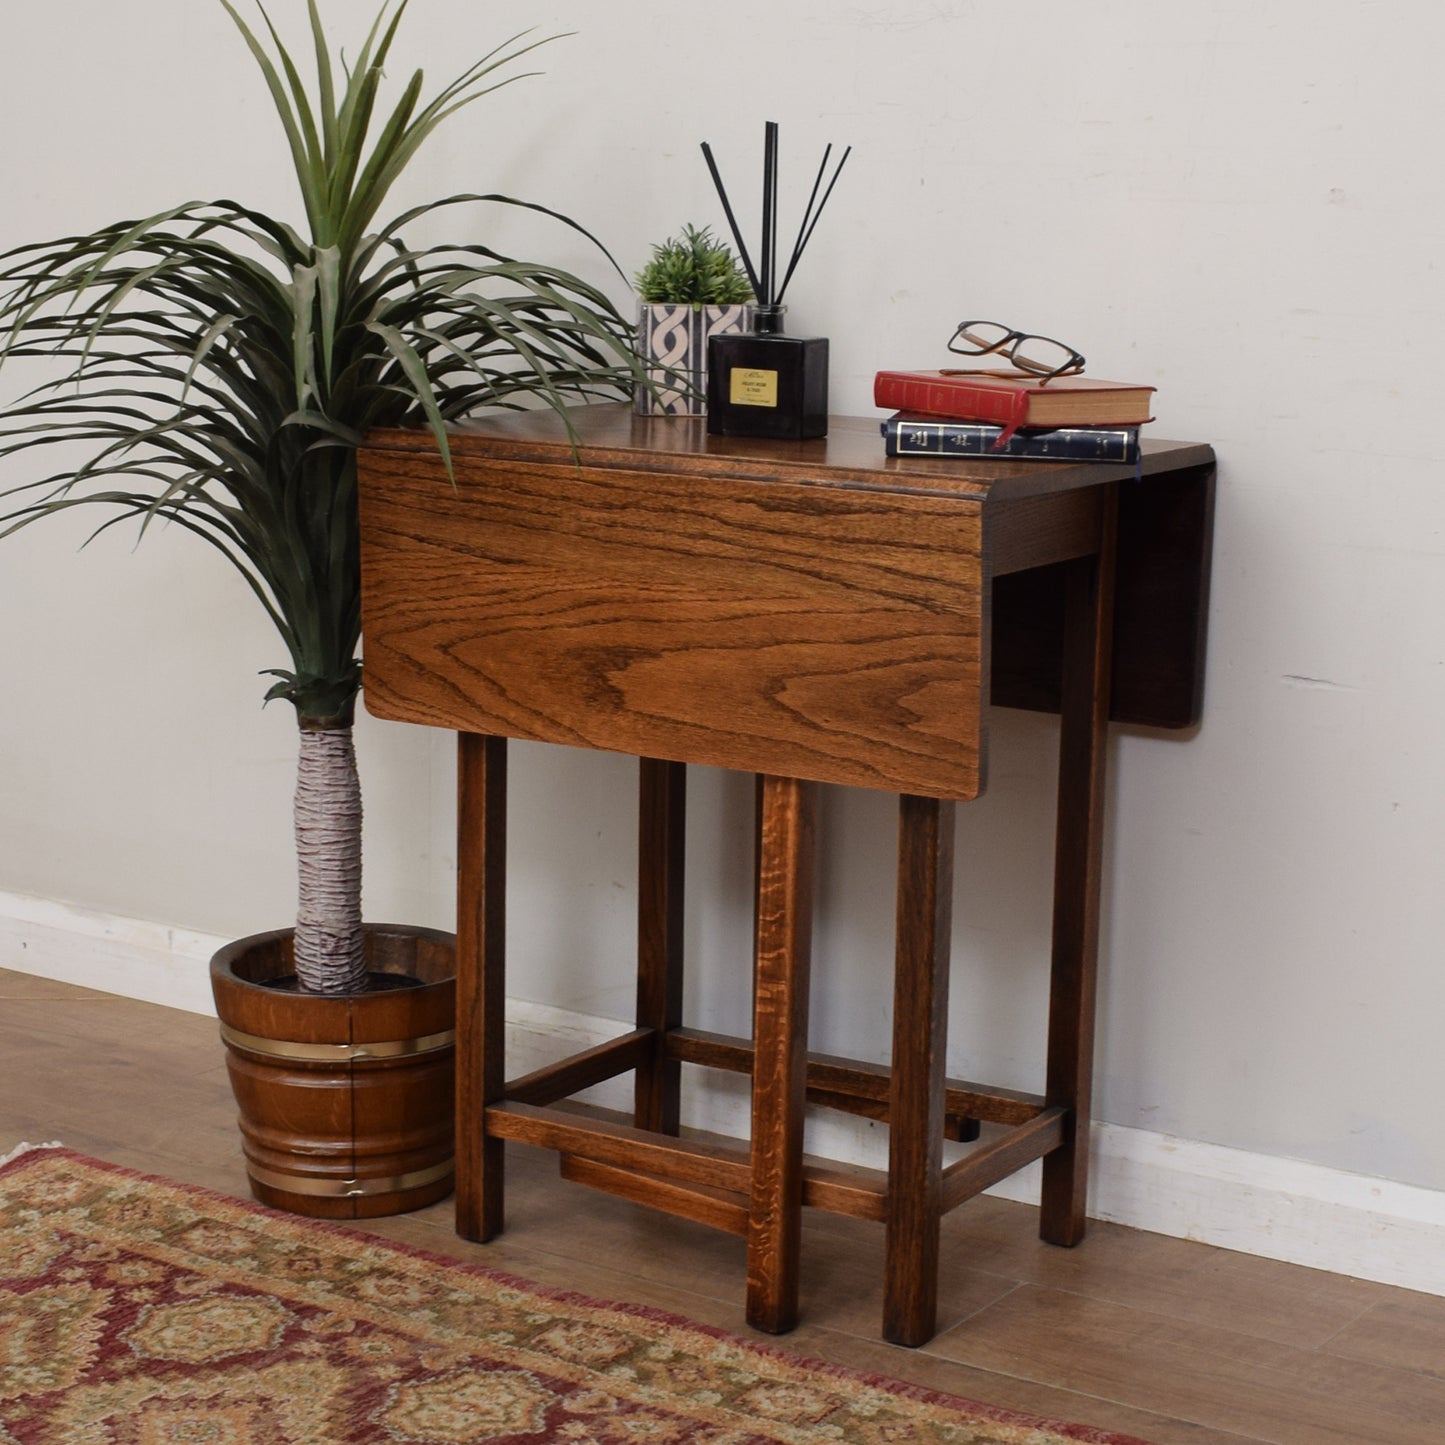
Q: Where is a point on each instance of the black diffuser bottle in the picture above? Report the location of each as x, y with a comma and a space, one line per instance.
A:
764, 383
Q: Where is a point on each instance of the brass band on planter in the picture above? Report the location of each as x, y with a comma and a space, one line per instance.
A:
338, 1053
350, 1188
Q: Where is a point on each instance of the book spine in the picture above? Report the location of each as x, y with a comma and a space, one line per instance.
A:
926, 437
954, 397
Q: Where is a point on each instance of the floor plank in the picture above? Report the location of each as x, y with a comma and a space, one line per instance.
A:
1221, 1378
1404, 1330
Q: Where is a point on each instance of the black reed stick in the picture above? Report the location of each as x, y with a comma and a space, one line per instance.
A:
732, 220
763, 283
807, 211
770, 215
805, 236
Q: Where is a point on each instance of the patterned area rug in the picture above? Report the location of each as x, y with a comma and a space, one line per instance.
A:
134, 1311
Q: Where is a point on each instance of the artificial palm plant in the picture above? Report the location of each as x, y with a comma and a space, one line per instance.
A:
219, 368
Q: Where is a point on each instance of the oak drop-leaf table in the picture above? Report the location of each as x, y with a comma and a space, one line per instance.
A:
808, 612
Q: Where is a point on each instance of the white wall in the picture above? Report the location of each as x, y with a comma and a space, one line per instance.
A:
1238, 202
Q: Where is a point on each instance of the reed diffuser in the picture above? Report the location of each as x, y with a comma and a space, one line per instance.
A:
764, 383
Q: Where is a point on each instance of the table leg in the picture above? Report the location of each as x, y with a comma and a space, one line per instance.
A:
481, 978
662, 817
1078, 853
780, 1042
915, 1096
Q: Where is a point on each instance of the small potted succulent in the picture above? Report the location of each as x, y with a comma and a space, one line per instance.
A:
693, 287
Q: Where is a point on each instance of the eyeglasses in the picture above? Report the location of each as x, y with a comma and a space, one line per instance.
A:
1040, 356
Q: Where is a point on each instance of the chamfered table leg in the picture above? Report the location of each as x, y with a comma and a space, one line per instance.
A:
1078, 866
481, 978
780, 1041
916, 1094
662, 818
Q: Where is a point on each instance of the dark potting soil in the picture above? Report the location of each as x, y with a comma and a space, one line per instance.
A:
375, 982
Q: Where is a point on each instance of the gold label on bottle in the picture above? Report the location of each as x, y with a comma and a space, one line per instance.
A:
751, 386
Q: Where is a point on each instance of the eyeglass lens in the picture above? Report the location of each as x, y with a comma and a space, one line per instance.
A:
1032, 353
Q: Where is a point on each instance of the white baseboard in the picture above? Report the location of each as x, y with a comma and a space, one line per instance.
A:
1260, 1204
127, 956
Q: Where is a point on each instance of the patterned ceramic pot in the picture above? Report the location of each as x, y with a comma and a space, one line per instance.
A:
675, 336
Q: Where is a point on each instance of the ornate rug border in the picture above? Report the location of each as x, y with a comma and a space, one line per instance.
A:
28, 1156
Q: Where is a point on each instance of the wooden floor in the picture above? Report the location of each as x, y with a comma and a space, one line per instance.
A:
1156, 1337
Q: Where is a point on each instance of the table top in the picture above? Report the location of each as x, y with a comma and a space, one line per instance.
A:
851, 454
808, 609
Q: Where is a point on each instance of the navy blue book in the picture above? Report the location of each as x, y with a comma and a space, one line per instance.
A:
908, 434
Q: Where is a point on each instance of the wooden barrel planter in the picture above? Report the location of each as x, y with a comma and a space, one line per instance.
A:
346, 1102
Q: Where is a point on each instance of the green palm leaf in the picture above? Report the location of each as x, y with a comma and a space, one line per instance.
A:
218, 367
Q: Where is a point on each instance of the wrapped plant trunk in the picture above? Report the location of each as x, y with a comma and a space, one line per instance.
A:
330, 951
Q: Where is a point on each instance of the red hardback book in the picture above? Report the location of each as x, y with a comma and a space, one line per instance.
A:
1014, 401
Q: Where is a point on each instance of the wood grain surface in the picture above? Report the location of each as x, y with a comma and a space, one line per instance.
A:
917, 1092
811, 609
481, 978
780, 1044
798, 630
1078, 869
661, 859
